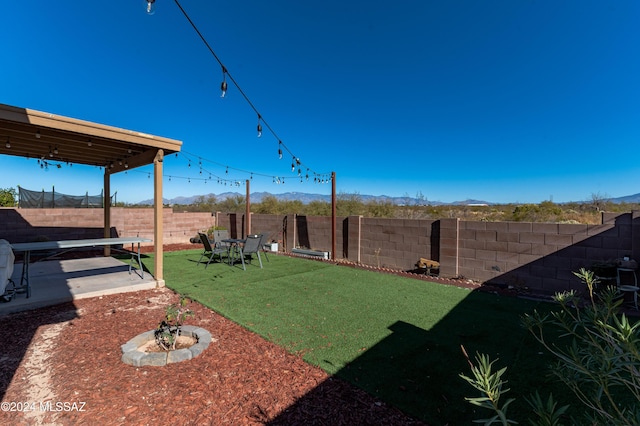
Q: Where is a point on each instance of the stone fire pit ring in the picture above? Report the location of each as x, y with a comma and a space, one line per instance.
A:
132, 356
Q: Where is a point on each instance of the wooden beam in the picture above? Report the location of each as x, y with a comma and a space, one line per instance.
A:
107, 211
158, 228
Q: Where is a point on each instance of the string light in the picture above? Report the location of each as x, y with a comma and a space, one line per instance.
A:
223, 85
8, 144
259, 127
294, 160
150, 7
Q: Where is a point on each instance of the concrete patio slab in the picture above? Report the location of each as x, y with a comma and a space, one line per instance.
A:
59, 281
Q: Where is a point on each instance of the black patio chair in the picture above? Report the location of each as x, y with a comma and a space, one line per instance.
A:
253, 244
209, 250
262, 243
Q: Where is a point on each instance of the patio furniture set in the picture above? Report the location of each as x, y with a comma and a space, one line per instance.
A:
233, 248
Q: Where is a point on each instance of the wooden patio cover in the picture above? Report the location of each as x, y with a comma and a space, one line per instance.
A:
40, 135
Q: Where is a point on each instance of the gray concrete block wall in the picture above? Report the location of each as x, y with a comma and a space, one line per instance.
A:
25, 225
540, 256
395, 243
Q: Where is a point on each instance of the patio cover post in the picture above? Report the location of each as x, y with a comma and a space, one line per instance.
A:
107, 210
157, 217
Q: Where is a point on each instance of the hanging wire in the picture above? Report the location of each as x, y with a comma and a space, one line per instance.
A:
224, 86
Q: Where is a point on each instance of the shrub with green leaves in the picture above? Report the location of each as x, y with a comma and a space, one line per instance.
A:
598, 360
167, 332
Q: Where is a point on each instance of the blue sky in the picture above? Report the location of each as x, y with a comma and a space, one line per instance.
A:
502, 101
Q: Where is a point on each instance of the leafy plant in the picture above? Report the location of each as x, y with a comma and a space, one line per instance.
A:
490, 385
600, 363
169, 328
8, 197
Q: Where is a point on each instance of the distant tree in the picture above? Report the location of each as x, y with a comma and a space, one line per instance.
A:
293, 207
546, 211
234, 204
8, 197
599, 201
268, 205
204, 204
318, 208
379, 209
349, 204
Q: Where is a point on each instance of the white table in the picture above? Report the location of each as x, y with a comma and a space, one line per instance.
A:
66, 245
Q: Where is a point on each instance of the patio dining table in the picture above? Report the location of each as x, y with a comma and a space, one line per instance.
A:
66, 245
234, 251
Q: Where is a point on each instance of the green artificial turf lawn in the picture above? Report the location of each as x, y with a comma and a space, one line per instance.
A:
397, 338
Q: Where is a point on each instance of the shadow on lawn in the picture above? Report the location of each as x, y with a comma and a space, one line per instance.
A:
411, 368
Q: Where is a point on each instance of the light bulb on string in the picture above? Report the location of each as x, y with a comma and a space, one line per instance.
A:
150, 6
280, 150
8, 144
259, 127
223, 85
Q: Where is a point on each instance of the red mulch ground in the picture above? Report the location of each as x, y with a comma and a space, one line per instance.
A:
69, 355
